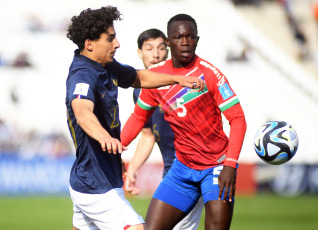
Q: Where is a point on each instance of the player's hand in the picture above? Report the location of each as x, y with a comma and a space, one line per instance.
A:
112, 145
192, 82
227, 182
130, 182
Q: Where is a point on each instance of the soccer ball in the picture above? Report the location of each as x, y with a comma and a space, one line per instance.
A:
276, 142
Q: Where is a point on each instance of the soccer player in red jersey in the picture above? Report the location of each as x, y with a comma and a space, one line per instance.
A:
152, 49
206, 159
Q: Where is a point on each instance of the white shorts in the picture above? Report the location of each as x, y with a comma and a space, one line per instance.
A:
110, 210
192, 220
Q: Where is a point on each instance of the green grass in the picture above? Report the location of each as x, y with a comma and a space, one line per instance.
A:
262, 212
268, 212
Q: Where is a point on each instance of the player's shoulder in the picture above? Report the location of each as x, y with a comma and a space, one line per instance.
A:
206, 66
210, 71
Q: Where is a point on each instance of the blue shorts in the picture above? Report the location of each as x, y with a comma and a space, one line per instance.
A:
182, 186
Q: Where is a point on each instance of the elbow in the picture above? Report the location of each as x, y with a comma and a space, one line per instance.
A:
80, 120
243, 124
240, 123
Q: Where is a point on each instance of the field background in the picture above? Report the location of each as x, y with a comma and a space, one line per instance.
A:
261, 212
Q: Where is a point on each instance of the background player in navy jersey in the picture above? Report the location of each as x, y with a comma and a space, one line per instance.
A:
206, 159
93, 119
152, 49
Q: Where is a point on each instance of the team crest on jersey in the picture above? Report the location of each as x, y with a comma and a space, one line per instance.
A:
225, 91
115, 81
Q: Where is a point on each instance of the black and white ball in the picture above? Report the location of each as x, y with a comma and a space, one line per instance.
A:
276, 142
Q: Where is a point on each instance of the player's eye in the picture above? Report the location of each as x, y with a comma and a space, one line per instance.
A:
110, 39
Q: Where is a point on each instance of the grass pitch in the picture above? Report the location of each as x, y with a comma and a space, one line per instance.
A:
262, 212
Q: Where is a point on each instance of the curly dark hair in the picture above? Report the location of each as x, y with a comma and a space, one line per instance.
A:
90, 24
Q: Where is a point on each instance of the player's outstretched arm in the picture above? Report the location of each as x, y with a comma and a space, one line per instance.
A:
86, 119
149, 79
142, 153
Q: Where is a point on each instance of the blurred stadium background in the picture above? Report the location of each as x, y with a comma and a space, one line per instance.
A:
268, 49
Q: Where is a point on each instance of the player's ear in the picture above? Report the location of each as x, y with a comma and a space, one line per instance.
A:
88, 45
198, 38
168, 42
139, 54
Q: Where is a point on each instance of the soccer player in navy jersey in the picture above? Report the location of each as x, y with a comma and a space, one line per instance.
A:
152, 49
206, 159
93, 120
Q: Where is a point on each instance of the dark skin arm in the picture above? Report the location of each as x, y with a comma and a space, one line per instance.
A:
227, 181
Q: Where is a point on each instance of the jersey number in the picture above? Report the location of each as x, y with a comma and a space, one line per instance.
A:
216, 171
179, 105
114, 123
155, 132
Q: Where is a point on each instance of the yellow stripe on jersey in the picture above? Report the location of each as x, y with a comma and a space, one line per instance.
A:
72, 129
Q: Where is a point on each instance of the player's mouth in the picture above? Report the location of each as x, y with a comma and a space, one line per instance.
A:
186, 53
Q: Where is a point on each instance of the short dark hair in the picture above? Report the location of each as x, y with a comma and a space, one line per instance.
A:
90, 24
182, 17
148, 34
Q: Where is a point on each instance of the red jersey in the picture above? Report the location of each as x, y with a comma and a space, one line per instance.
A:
195, 117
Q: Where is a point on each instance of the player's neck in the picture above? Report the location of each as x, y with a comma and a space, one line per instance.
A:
177, 64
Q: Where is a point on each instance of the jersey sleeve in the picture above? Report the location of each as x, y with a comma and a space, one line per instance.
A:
134, 124
126, 74
136, 96
220, 89
229, 104
81, 85
236, 118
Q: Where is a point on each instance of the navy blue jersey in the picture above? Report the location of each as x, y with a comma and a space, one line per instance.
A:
95, 171
163, 134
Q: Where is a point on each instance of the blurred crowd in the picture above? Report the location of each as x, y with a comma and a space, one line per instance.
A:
15, 142
297, 20
32, 24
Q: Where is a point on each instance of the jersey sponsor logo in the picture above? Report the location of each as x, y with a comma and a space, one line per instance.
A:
207, 65
225, 91
81, 89
214, 70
